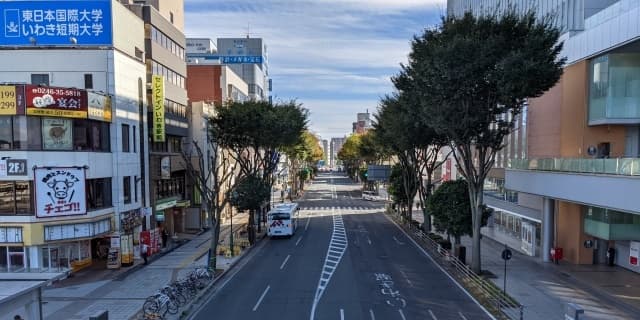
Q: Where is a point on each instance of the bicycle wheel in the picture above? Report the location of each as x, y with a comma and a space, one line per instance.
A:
172, 307
150, 307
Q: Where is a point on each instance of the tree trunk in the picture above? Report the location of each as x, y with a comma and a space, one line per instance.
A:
426, 226
475, 195
251, 232
215, 236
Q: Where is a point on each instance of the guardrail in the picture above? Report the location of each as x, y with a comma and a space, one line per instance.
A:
502, 306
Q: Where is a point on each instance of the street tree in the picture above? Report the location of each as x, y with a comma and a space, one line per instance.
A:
451, 209
255, 132
349, 154
303, 158
249, 194
213, 171
472, 76
400, 130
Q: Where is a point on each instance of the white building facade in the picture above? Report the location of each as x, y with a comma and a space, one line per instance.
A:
92, 157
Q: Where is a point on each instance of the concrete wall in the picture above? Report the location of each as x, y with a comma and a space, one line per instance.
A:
27, 305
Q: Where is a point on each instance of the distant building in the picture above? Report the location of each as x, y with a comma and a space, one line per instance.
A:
325, 151
249, 59
336, 145
363, 123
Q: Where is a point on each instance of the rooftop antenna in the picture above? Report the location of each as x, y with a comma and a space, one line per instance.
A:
248, 29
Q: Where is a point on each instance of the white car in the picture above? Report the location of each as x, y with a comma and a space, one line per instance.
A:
368, 195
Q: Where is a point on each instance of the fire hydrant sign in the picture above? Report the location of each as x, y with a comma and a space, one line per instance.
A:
60, 192
634, 253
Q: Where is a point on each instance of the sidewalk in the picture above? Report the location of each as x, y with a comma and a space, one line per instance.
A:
122, 293
611, 293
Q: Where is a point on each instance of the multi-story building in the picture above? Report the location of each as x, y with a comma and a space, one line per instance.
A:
168, 124
363, 123
71, 180
581, 146
336, 145
248, 58
209, 83
325, 151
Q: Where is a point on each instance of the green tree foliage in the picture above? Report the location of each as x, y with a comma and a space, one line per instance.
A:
250, 193
451, 209
349, 154
304, 154
254, 132
396, 188
472, 76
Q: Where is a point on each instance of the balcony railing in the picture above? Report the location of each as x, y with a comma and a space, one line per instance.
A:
614, 166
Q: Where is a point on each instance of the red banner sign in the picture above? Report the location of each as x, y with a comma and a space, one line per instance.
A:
56, 102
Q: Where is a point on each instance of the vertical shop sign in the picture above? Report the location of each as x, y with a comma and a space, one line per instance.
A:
157, 92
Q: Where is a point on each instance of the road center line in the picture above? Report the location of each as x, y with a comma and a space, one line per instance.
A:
462, 315
261, 297
402, 314
373, 316
285, 261
398, 241
298, 241
341, 314
432, 315
307, 225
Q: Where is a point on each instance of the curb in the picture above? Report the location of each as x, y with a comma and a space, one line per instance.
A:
186, 313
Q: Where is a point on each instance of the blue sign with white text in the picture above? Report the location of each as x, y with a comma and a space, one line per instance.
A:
241, 59
56, 23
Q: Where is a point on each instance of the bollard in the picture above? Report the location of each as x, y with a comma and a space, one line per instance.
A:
573, 311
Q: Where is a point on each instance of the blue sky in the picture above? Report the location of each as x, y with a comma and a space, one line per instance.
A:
333, 56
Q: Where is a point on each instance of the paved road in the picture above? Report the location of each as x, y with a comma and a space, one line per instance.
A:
346, 261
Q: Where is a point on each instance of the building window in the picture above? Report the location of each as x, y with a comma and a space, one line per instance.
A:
88, 81
135, 140
126, 188
135, 189
90, 135
125, 138
99, 193
40, 79
15, 198
175, 144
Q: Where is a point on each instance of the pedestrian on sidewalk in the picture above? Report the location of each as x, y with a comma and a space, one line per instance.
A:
144, 248
165, 237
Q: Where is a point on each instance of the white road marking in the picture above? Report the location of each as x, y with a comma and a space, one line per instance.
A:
401, 314
341, 314
368, 240
406, 278
298, 241
334, 255
462, 315
285, 261
261, 297
373, 316
307, 225
398, 241
417, 246
432, 315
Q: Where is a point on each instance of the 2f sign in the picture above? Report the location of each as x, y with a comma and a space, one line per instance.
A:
16, 167
13, 167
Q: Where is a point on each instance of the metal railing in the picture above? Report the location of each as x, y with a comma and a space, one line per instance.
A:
488, 294
614, 166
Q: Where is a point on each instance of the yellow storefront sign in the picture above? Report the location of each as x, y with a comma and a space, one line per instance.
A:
8, 105
157, 98
56, 113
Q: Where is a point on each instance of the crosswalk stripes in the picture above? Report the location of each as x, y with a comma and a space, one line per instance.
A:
348, 208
